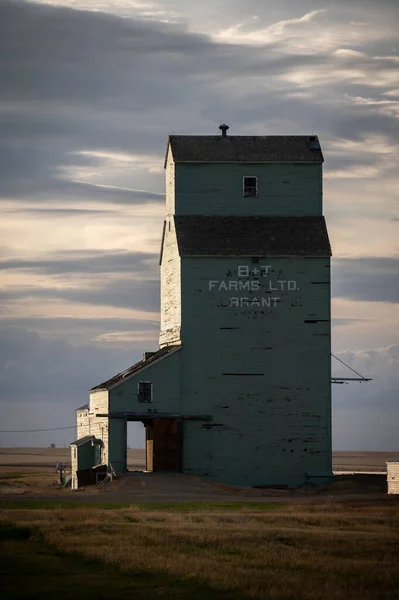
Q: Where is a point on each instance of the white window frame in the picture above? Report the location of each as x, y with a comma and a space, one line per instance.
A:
243, 186
138, 392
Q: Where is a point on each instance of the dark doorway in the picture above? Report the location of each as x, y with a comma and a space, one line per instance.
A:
163, 445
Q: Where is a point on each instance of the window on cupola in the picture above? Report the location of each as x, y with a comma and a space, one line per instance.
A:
250, 186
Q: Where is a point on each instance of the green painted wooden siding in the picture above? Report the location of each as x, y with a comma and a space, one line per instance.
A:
117, 445
216, 189
263, 374
165, 377
85, 456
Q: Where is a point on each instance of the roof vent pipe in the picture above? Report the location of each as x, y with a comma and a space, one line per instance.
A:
224, 129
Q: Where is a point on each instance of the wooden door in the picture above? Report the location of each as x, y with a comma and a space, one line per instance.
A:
167, 445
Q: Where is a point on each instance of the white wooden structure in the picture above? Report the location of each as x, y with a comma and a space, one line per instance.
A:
393, 476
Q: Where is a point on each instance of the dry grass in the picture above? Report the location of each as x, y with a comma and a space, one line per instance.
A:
25, 480
310, 552
190, 551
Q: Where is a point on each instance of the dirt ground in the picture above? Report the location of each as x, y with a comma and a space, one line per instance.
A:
30, 472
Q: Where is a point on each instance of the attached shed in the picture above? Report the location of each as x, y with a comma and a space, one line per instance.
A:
393, 476
85, 454
148, 392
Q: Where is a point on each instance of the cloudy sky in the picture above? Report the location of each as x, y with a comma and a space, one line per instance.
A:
90, 91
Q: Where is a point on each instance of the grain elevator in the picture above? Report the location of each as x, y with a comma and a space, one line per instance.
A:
239, 390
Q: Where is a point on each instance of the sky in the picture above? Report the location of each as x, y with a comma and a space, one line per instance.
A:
89, 92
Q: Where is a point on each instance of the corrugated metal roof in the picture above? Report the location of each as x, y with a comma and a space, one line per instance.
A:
252, 236
136, 368
84, 440
245, 148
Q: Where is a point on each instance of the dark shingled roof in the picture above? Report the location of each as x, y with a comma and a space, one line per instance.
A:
136, 368
245, 148
252, 236
84, 407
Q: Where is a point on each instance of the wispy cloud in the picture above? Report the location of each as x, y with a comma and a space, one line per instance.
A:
251, 32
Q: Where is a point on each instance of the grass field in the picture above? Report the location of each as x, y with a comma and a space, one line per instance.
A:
231, 551
201, 542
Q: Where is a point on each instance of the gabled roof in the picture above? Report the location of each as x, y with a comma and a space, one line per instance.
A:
245, 148
84, 440
136, 368
252, 236
84, 407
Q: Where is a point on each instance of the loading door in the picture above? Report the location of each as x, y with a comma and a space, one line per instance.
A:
167, 445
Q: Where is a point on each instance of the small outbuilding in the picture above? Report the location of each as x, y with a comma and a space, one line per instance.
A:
85, 453
393, 476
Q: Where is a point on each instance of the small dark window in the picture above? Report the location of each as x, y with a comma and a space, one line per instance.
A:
250, 186
144, 391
